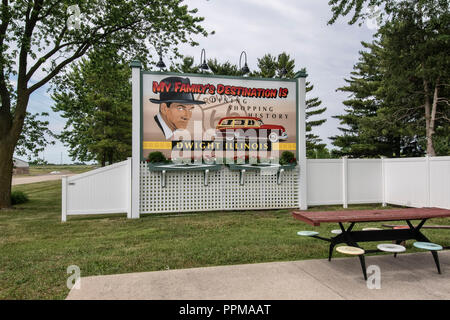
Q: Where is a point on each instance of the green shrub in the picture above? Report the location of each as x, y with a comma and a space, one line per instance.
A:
18, 197
156, 156
287, 157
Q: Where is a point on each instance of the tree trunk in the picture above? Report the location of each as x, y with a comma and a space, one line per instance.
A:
429, 120
6, 168
397, 147
111, 157
430, 145
8, 141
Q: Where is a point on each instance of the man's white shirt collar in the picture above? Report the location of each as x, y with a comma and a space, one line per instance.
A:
167, 132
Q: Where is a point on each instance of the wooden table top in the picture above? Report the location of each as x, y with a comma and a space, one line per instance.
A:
315, 218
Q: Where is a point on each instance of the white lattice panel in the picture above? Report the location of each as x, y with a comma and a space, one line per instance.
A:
186, 192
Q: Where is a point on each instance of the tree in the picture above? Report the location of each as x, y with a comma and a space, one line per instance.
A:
313, 142
186, 66
226, 68
270, 66
322, 153
416, 44
399, 102
283, 66
344, 7
38, 35
356, 139
95, 98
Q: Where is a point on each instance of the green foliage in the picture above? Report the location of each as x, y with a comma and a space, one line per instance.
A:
287, 157
36, 45
35, 135
320, 153
226, 68
95, 98
156, 157
38, 162
357, 140
283, 66
187, 66
398, 103
270, 66
18, 197
344, 7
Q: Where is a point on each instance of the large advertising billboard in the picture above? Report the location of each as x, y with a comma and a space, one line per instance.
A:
217, 115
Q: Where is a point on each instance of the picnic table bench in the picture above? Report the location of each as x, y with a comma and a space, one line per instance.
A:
352, 238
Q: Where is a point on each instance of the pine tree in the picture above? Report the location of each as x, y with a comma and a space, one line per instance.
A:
284, 67
363, 104
411, 105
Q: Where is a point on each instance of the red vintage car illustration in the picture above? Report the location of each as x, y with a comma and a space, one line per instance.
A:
232, 127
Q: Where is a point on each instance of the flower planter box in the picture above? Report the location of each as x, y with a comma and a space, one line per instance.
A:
264, 169
260, 166
182, 167
165, 167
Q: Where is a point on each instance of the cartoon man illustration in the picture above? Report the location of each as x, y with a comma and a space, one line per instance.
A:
175, 108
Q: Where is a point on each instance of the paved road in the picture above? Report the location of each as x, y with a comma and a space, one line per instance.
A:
32, 179
409, 276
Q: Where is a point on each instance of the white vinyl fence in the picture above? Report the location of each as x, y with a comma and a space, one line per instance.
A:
103, 190
418, 182
344, 181
414, 182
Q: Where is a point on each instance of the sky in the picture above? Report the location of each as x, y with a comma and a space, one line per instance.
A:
297, 27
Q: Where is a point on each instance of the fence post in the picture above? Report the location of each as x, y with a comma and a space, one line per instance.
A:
136, 139
345, 181
383, 182
301, 146
427, 181
129, 197
64, 199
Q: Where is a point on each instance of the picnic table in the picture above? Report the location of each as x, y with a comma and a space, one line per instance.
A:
352, 238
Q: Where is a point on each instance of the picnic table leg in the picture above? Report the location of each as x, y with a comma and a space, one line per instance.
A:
363, 265
361, 257
331, 251
436, 260
421, 237
339, 238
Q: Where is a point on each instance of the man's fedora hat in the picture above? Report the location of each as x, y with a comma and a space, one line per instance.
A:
178, 97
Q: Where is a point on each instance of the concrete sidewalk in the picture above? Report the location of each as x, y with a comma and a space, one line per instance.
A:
409, 276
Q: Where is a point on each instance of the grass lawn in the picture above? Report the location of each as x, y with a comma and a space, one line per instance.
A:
46, 169
36, 248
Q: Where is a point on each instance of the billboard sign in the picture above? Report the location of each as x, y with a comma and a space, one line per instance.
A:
217, 117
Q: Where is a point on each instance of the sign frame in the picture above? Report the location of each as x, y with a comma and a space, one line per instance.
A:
202, 75
137, 126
